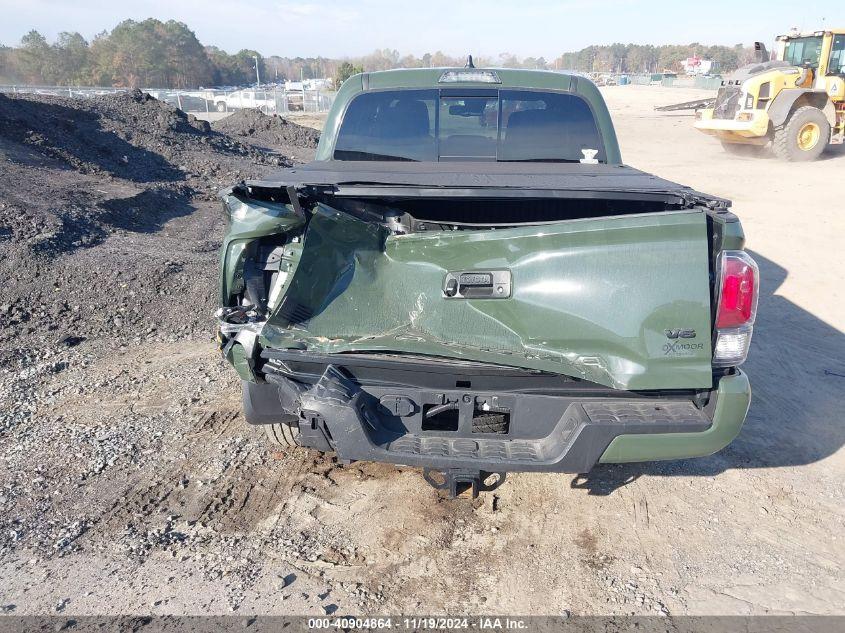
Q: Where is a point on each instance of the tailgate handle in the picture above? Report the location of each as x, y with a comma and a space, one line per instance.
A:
477, 284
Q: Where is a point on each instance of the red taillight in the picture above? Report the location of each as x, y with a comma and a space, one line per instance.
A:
739, 288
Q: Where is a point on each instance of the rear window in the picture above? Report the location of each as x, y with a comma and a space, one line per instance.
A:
485, 125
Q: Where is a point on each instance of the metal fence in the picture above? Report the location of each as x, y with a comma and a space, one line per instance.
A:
660, 79
706, 83
276, 99
270, 100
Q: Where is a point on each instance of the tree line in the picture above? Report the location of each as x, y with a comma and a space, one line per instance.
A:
155, 54
646, 58
149, 53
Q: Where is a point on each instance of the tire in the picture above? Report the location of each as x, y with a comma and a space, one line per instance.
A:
742, 149
804, 137
281, 434
221, 106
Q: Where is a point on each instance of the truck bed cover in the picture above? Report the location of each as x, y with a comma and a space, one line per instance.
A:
529, 179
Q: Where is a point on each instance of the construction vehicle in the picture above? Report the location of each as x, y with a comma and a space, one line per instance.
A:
796, 102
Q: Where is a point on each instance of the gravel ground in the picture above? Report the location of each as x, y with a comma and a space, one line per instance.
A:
130, 484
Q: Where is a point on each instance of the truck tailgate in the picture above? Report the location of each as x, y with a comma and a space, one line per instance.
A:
621, 301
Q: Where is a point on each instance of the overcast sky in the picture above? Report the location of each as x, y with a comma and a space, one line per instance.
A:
334, 28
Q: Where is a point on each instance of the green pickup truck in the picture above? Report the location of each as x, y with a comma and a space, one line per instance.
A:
469, 280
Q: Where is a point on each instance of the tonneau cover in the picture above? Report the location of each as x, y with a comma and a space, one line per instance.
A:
467, 176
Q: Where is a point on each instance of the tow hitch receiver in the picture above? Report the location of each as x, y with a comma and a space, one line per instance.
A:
458, 481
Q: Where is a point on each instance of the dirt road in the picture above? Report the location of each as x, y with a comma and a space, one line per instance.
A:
132, 484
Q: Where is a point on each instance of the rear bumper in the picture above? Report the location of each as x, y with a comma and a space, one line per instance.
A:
733, 398
551, 433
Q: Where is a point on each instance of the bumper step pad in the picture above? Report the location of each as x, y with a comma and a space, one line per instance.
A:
645, 413
466, 448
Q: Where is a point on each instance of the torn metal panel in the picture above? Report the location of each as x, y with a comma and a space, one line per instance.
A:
248, 221
241, 272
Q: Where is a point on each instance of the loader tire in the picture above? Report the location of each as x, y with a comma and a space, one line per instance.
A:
804, 137
281, 434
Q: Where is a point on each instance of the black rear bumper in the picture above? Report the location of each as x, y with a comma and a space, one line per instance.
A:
555, 429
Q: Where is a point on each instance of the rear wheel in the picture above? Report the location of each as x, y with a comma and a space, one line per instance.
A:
221, 106
282, 434
742, 149
804, 136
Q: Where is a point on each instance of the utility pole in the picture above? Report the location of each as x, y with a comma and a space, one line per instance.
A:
257, 78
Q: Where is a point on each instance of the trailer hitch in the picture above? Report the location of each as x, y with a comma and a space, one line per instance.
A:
458, 481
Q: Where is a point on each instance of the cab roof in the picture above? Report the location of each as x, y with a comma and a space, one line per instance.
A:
792, 36
507, 78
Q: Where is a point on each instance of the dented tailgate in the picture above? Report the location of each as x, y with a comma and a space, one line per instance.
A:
621, 301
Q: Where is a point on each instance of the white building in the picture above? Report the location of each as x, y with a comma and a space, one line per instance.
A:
695, 65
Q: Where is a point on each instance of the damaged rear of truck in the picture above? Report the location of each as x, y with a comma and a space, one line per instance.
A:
469, 280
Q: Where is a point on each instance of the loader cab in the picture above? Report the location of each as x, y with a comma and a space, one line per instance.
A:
822, 53
804, 51
836, 60
834, 80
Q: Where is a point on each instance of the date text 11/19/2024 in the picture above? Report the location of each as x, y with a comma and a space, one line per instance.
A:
483, 623
418, 623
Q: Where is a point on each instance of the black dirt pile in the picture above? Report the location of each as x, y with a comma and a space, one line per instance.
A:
109, 218
130, 136
267, 130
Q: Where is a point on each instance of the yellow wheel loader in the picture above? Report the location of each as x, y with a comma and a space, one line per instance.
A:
795, 102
